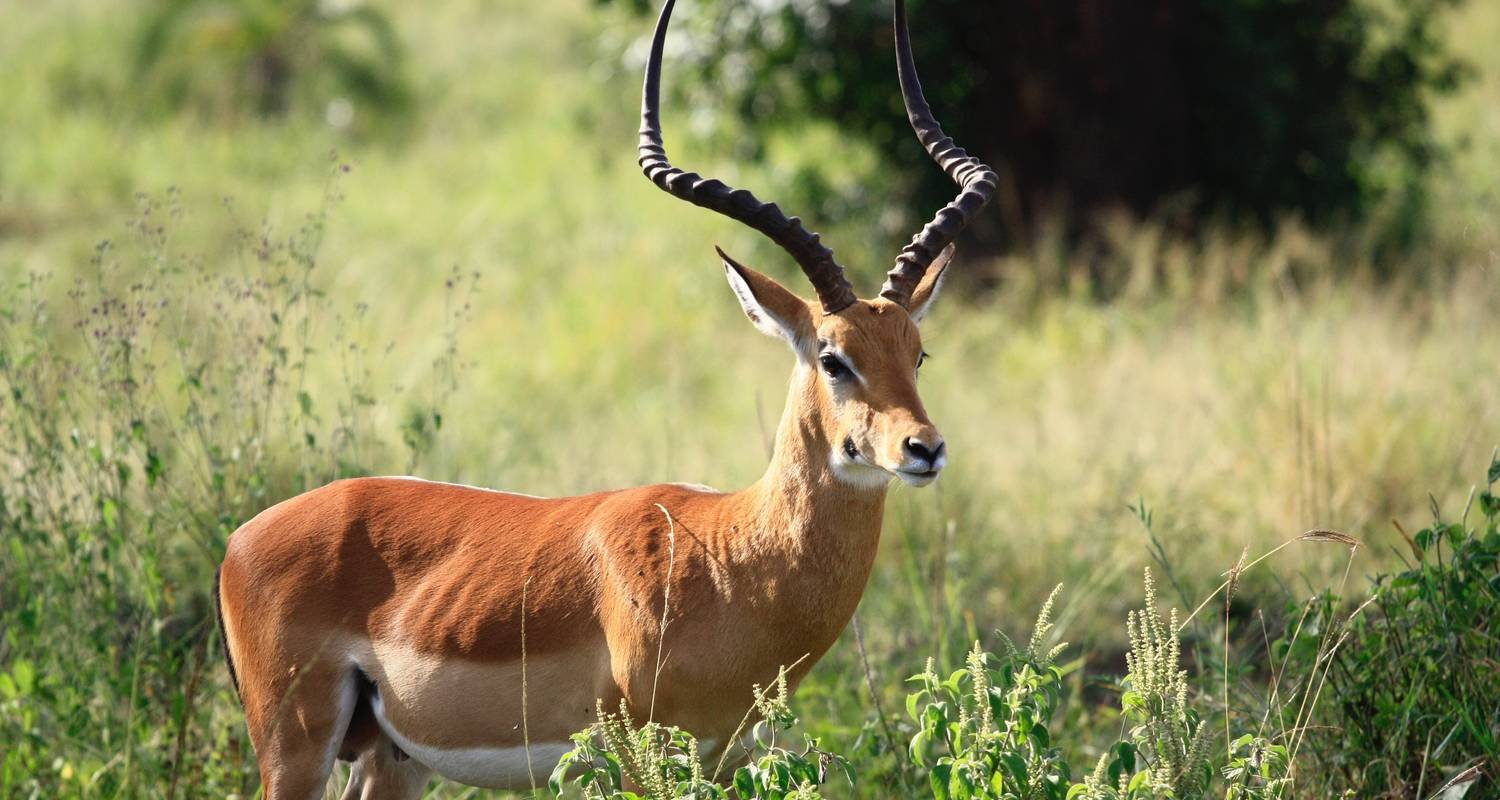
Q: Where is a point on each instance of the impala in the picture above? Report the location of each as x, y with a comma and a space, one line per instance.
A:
415, 627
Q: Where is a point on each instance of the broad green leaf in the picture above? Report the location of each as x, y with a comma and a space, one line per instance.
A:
612, 766
938, 778
960, 785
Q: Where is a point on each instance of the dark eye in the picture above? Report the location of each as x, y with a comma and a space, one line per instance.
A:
834, 366
921, 359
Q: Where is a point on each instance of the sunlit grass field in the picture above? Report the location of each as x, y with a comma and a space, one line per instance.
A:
1236, 399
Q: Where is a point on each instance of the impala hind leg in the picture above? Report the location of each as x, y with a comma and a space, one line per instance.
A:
381, 771
385, 773
297, 721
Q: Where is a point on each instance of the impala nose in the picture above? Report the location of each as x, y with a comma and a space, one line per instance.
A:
925, 452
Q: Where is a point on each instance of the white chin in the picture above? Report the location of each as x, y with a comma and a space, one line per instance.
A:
861, 475
917, 478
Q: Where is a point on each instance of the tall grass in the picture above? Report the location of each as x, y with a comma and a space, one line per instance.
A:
148, 412
1411, 679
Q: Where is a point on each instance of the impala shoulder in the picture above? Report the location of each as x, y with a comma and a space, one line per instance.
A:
661, 500
647, 521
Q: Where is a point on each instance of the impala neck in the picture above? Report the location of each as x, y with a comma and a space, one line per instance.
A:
801, 503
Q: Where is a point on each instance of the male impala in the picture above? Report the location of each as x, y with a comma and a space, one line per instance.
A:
390, 621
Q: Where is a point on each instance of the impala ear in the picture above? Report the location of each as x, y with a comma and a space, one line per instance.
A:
771, 307
931, 283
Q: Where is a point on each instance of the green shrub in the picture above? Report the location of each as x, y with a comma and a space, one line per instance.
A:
1167, 753
1415, 678
663, 763
982, 731
144, 414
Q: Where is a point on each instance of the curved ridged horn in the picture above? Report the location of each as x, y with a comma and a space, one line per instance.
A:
976, 181
816, 260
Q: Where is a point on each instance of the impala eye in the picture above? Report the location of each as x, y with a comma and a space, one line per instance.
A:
922, 359
834, 366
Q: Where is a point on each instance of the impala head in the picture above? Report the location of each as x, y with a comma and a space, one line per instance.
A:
859, 357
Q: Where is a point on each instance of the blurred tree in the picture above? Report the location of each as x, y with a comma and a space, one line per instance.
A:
1238, 109
269, 57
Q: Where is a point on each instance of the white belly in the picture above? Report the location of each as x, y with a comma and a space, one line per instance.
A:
490, 767
469, 721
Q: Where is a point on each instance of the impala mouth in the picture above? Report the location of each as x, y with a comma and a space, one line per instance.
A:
915, 478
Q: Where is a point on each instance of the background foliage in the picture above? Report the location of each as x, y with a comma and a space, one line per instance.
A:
1244, 110
227, 58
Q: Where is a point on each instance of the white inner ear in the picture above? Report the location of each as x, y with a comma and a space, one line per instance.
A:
763, 319
919, 311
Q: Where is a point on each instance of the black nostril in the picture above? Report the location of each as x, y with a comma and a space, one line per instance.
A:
922, 451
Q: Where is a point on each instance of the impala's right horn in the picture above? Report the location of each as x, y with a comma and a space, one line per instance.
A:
816, 260
975, 180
